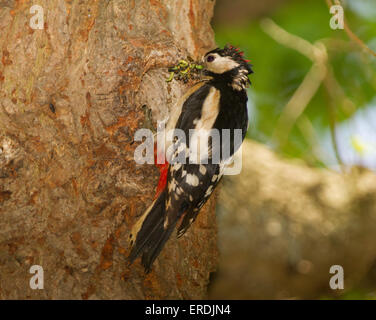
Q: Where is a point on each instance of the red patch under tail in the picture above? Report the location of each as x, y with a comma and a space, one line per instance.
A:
163, 170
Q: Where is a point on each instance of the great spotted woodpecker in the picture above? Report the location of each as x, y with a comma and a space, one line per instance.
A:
217, 102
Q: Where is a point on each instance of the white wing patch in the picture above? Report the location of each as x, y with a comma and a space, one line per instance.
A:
202, 169
192, 180
202, 130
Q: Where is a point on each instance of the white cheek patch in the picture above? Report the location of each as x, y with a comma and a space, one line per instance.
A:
221, 64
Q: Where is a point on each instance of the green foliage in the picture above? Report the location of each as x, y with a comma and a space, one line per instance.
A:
279, 71
353, 294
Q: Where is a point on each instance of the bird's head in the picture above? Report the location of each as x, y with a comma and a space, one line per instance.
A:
228, 63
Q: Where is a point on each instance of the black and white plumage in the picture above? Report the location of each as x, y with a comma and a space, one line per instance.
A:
219, 102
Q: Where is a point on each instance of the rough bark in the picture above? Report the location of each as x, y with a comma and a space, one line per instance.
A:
282, 225
71, 98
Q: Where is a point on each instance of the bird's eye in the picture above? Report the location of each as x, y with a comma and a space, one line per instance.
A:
210, 58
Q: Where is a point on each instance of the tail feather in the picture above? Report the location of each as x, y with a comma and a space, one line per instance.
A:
155, 246
149, 234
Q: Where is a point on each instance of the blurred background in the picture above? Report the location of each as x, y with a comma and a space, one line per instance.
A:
306, 197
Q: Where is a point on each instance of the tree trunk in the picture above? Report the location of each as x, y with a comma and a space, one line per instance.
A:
283, 225
72, 96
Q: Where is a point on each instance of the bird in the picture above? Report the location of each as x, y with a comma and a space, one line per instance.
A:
216, 103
